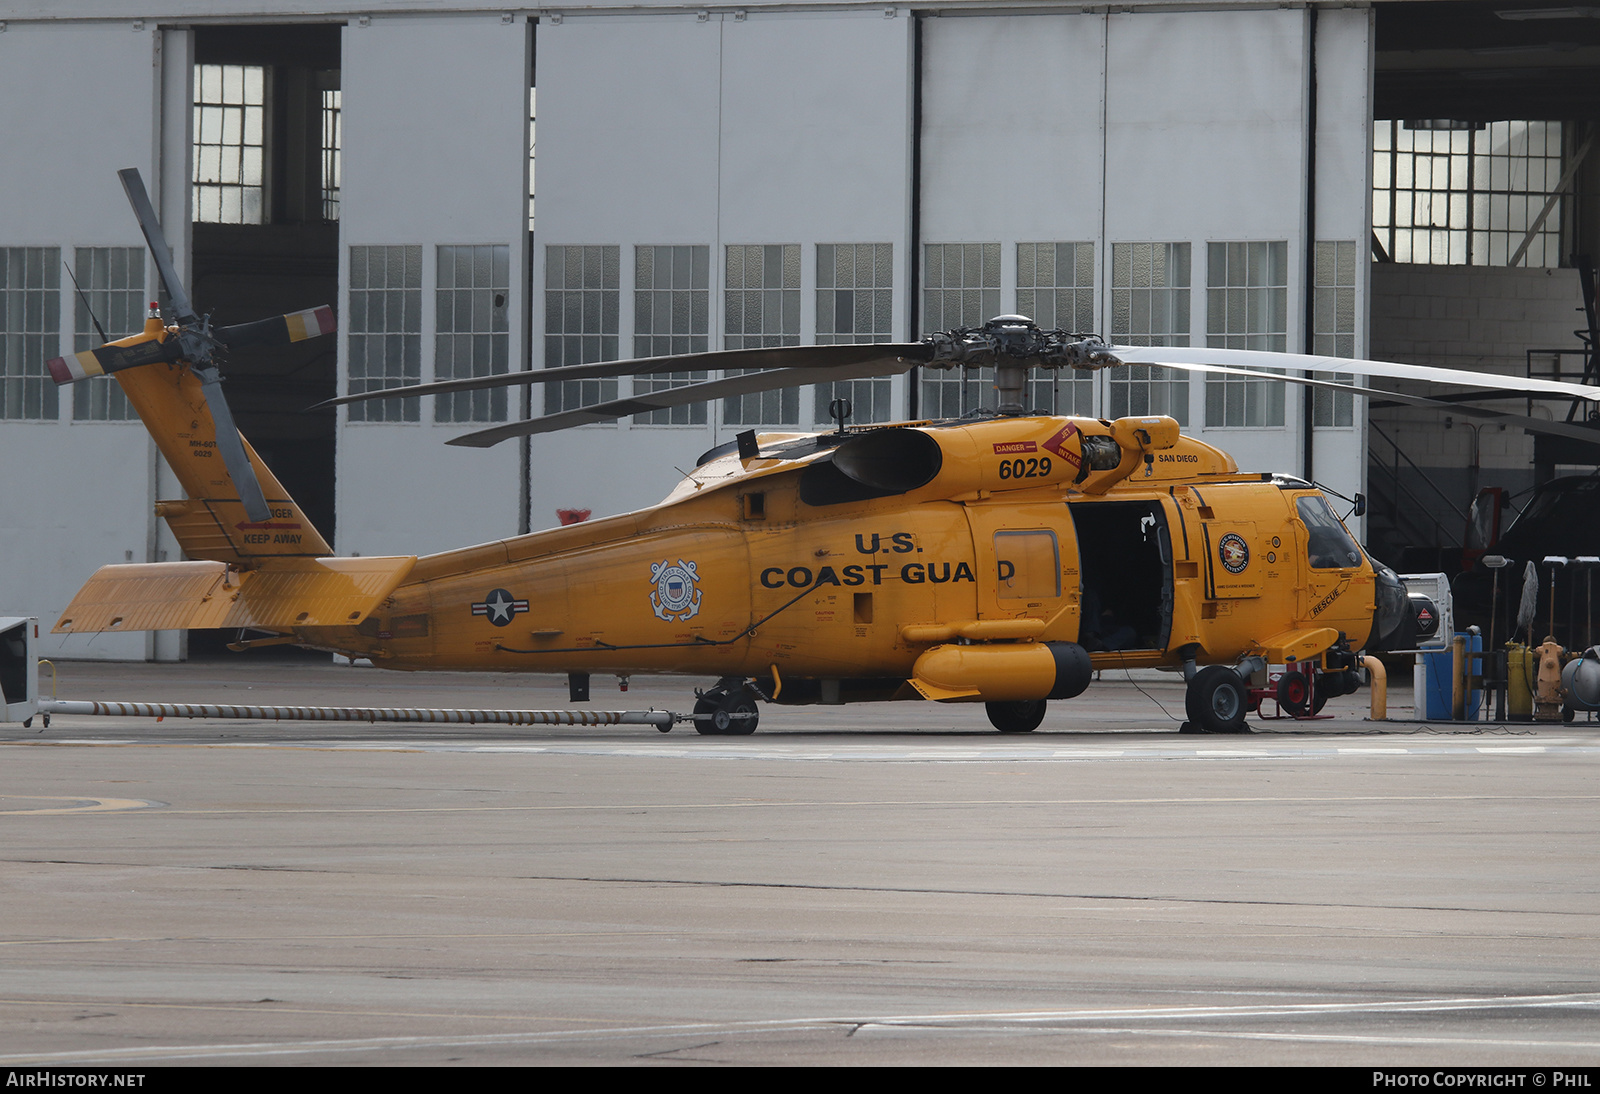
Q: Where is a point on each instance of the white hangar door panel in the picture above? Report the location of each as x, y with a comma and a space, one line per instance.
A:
1342, 227
1205, 148
1011, 122
627, 152
434, 215
78, 101
1012, 189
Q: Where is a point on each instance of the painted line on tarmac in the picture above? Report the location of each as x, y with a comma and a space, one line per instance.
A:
1001, 752
1111, 1020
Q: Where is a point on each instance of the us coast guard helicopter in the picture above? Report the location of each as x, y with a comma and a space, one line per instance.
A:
999, 559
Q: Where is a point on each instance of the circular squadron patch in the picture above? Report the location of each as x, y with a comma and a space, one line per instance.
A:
676, 597
1234, 553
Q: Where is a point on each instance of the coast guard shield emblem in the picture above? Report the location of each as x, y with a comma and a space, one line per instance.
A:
676, 598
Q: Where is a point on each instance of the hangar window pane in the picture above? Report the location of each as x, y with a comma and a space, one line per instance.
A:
582, 301
761, 308
332, 141
1247, 307
472, 332
384, 325
1333, 329
111, 279
671, 315
960, 288
1055, 288
30, 331
229, 144
1462, 193
1149, 307
532, 111
855, 303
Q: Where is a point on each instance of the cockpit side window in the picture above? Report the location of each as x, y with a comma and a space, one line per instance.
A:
1329, 546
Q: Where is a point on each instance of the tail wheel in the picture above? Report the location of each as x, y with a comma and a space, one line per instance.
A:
1019, 716
1217, 700
1294, 693
726, 712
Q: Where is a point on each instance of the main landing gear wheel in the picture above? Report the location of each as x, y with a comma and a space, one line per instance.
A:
727, 710
1018, 716
1216, 701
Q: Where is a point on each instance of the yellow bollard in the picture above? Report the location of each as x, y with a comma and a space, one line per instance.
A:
1458, 673
1380, 688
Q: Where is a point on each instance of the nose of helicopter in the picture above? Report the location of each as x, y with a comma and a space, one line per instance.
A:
1390, 609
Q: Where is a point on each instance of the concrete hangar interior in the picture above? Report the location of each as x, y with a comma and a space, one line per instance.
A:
1400, 179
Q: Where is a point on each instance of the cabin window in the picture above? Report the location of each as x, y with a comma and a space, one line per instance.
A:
1328, 545
1029, 565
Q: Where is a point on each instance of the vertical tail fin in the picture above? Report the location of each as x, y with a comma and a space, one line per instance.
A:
211, 523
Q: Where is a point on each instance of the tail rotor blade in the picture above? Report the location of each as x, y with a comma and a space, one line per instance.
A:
231, 445
104, 360
150, 225
280, 330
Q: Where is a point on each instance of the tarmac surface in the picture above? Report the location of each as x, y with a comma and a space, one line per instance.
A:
869, 884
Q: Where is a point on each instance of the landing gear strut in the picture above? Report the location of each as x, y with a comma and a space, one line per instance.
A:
729, 709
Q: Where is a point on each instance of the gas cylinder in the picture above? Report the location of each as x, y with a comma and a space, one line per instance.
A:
1519, 690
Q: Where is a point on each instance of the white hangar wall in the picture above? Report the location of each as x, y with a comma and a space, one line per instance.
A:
780, 128
431, 163
78, 494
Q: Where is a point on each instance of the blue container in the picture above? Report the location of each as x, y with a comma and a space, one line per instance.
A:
1436, 681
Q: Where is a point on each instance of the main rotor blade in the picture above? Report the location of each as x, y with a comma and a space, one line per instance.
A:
280, 330
789, 357
231, 445
750, 384
1168, 356
1532, 425
150, 225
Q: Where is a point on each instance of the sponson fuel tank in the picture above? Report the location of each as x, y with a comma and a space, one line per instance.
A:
1003, 672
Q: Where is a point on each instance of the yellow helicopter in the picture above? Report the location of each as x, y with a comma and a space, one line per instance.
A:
999, 559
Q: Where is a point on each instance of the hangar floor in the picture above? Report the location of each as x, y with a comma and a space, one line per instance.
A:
880, 884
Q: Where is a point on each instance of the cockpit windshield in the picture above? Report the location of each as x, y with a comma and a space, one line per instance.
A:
1329, 546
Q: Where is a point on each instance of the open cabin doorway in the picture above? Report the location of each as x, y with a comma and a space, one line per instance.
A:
1125, 560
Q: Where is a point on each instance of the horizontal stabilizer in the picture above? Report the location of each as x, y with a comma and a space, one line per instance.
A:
289, 592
